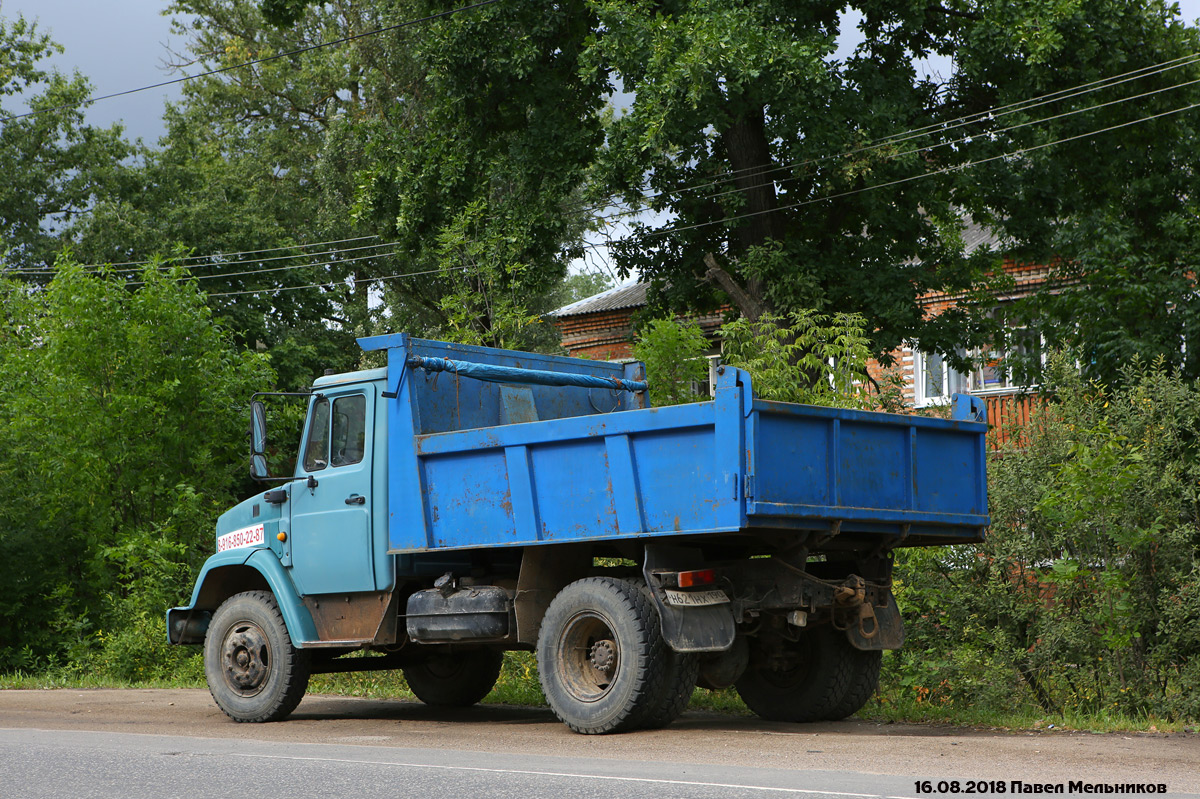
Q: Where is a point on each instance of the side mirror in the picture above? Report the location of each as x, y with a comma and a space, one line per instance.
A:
258, 431
258, 467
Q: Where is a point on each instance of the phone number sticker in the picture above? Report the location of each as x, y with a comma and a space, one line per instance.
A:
245, 537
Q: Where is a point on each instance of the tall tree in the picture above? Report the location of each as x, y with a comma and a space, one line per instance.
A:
785, 176
296, 142
54, 165
234, 186
1116, 214
790, 177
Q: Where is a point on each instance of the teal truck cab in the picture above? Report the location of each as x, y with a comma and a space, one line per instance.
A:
465, 501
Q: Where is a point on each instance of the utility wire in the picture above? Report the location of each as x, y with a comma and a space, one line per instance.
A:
954, 168
227, 254
276, 57
332, 283
170, 264
911, 178
892, 139
948, 143
276, 268
680, 228
1023, 105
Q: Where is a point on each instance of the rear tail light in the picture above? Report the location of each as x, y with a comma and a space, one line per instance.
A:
698, 577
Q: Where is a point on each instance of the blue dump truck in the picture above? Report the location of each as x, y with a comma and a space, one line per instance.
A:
464, 501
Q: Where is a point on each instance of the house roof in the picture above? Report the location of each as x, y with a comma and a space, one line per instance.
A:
976, 235
632, 295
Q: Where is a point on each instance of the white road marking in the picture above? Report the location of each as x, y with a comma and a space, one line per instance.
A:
526, 772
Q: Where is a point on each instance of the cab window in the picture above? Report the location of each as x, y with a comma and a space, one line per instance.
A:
316, 450
349, 430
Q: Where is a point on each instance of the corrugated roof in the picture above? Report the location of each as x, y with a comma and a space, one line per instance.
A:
632, 295
976, 235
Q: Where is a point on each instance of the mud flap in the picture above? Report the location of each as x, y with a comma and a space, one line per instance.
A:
878, 627
705, 628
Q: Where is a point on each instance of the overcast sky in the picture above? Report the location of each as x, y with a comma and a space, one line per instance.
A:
123, 44
117, 45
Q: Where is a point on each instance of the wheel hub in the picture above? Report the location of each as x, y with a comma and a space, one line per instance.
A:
246, 658
603, 655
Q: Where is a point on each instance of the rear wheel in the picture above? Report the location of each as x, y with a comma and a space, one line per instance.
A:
819, 677
254, 673
603, 664
677, 684
458, 679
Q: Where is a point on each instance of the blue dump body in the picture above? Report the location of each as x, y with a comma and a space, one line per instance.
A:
473, 463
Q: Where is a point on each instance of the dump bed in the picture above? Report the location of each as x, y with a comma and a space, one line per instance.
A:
473, 463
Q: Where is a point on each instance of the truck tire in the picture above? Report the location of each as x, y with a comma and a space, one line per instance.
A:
254, 673
820, 677
676, 683
458, 679
676, 686
863, 679
603, 664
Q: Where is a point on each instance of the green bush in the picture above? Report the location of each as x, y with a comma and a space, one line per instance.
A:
805, 357
1085, 598
673, 352
123, 414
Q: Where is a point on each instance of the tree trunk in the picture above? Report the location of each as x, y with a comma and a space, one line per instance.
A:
745, 141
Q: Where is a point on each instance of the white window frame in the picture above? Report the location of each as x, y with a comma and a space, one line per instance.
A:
971, 383
921, 399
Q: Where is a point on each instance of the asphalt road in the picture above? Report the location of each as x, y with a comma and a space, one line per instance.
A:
159, 744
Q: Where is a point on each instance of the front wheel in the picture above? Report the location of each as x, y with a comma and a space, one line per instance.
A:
819, 677
459, 679
254, 673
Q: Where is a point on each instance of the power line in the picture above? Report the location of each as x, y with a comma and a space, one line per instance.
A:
164, 266
264, 60
673, 229
680, 228
934, 173
950, 142
332, 283
227, 254
275, 268
897, 138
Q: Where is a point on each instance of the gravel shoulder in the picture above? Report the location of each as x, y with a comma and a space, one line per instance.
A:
919, 752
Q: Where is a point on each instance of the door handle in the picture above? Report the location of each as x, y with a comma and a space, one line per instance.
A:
356, 499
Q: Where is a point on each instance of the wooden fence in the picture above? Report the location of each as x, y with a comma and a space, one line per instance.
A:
1009, 416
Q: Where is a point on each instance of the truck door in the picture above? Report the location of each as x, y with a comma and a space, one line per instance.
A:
331, 521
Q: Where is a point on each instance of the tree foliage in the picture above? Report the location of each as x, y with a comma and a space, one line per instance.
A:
673, 352
386, 135
782, 182
808, 357
123, 416
786, 174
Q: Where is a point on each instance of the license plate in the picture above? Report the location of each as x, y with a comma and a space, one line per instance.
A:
695, 598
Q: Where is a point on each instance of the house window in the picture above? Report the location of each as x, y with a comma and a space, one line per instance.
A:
935, 381
994, 370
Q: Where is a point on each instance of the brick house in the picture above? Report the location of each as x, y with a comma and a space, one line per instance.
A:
601, 327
